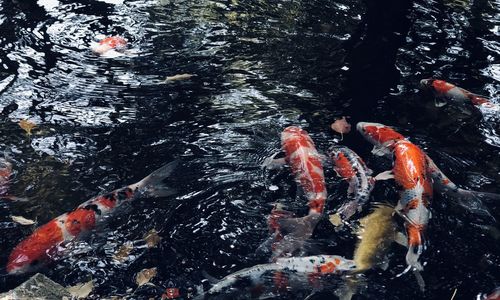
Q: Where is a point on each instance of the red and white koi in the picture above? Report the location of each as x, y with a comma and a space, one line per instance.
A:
446, 91
305, 268
353, 169
382, 136
305, 162
109, 46
410, 170
47, 240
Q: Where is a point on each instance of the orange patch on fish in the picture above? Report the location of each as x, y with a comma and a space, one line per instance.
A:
79, 220
410, 166
36, 246
442, 86
343, 166
327, 268
114, 42
383, 134
414, 234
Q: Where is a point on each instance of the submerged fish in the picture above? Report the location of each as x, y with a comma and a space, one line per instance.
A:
108, 45
445, 91
305, 162
45, 242
302, 269
376, 233
353, 169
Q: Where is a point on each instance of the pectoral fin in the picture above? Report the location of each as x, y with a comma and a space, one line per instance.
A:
385, 175
272, 163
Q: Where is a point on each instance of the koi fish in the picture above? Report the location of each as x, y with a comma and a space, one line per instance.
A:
109, 46
305, 162
411, 175
410, 170
305, 268
443, 90
382, 136
353, 169
45, 242
495, 295
376, 233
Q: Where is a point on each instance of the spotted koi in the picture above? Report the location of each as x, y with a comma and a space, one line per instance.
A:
353, 169
44, 243
305, 268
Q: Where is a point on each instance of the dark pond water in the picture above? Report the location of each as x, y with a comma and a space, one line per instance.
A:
260, 66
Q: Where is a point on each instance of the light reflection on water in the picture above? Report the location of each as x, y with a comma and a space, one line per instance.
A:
259, 66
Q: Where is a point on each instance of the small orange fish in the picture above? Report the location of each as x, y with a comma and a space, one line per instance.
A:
110, 43
446, 91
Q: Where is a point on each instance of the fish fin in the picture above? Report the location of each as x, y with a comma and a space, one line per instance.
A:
112, 54
379, 151
296, 231
14, 198
384, 265
482, 196
336, 219
272, 163
439, 102
412, 257
491, 230
420, 280
472, 202
153, 186
211, 279
401, 239
351, 188
385, 175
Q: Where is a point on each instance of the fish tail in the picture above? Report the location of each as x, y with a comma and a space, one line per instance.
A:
484, 196
153, 186
295, 232
415, 247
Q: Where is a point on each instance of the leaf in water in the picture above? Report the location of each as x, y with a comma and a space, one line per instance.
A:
152, 238
81, 290
122, 254
341, 126
145, 275
179, 77
22, 220
27, 125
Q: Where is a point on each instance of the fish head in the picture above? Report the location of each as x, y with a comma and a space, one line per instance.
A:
426, 84
343, 166
25, 259
292, 131
378, 134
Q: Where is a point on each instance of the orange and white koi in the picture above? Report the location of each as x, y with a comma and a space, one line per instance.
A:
305, 268
443, 90
382, 136
48, 240
353, 169
305, 162
410, 172
108, 45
